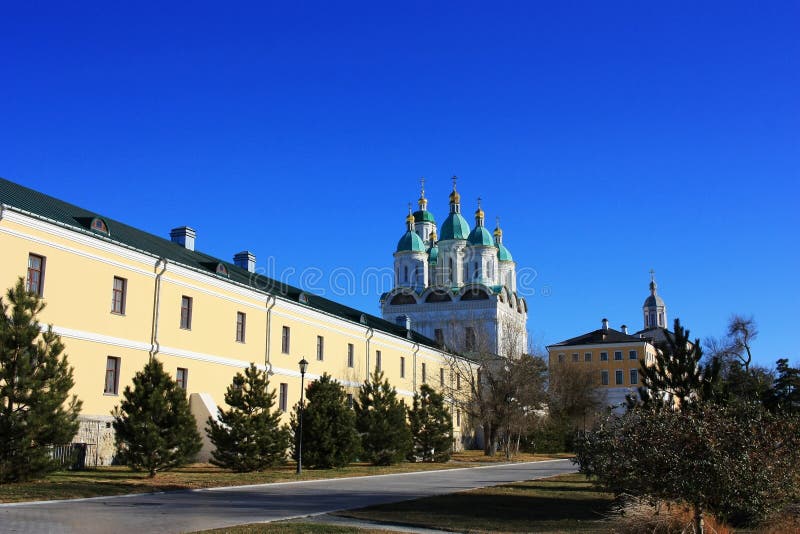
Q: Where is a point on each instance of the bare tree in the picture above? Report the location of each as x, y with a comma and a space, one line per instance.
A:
736, 345
573, 394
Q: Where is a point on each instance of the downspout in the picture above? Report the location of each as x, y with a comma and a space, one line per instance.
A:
370, 332
154, 346
271, 301
414, 382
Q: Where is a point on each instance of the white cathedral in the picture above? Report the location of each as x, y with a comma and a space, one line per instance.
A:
458, 287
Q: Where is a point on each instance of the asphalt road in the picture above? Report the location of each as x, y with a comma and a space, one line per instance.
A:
192, 510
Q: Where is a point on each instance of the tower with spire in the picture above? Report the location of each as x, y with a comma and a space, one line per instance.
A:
654, 309
457, 286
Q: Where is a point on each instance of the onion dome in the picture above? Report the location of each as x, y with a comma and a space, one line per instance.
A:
433, 250
410, 242
423, 215
654, 299
480, 236
502, 252
455, 226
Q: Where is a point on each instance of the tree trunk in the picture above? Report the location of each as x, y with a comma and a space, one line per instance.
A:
698, 519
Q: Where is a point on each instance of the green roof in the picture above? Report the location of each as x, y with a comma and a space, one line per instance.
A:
502, 253
480, 236
424, 216
410, 242
454, 227
433, 254
41, 206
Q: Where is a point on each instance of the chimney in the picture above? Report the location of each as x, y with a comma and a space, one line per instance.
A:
246, 260
605, 324
184, 236
404, 321
624, 329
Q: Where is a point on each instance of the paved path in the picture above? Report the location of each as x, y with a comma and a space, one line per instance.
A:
192, 510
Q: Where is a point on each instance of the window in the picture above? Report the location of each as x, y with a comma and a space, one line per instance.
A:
285, 339
186, 313
118, 293
617, 354
424, 374
560, 358
587, 356
603, 356
604, 378
441, 376
241, 326
438, 335
349, 400
350, 355
112, 376
458, 418
378, 360
283, 397
618, 377
458, 382
34, 283
182, 378
575, 356
402, 367
99, 225
320, 348
633, 355
469, 338
405, 273
452, 274
634, 376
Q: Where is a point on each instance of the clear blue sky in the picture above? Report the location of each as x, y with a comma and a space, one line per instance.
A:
611, 138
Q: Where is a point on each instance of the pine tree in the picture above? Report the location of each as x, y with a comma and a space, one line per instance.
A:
155, 430
431, 426
381, 421
249, 436
785, 392
329, 429
35, 379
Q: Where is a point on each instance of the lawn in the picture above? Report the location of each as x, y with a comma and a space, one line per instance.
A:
120, 480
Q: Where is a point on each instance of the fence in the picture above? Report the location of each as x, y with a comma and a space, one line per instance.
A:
75, 456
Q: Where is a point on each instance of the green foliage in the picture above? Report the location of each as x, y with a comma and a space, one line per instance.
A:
677, 373
329, 426
381, 422
555, 434
35, 379
737, 462
785, 393
155, 430
431, 426
249, 436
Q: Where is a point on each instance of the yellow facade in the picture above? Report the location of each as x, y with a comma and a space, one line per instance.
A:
78, 281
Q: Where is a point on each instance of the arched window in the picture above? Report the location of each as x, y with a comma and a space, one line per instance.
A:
405, 273
476, 274
452, 274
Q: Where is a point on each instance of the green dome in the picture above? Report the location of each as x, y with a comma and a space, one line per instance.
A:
424, 216
480, 236
502, 253
410, 242
433, 254
454, 227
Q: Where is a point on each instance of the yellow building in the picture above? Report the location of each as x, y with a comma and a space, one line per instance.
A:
119, 296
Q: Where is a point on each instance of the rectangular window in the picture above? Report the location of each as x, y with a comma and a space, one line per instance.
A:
633, 355
285, 339
560, 358
320, 348
458, 382
458, 418
424, 373
469, 338
241, 326
112, 376
182, 378
587, 356
604, 378
283, 397
378, 360
34, 282
438, 335
575, 356
617, 354
441, 376
118, 294
618, 377
350, 355
634, 376
402, 367
349, 400
603, 356
186, 313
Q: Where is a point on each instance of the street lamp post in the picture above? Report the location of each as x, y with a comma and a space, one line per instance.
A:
303, 366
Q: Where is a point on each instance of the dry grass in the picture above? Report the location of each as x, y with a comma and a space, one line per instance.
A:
638, 515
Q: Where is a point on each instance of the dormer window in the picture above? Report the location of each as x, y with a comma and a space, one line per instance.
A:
99, 225
221, 270
303, 298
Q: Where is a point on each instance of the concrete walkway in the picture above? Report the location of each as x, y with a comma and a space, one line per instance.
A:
193, 510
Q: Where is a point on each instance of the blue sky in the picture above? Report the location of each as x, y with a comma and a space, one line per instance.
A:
610, 137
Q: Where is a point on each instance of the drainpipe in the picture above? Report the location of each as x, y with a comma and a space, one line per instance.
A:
370, 332
416, 350
154, 346
271, 301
